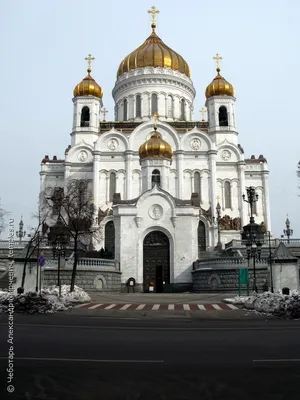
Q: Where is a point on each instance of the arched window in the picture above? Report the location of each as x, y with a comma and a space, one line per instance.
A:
182, 113
155, 177
154, 107
223, 116
254, 207
170, 106
99, 284
112, 185
109, 234
138, 106
125, 111
197, 184
201, 237
85, 116
227, 192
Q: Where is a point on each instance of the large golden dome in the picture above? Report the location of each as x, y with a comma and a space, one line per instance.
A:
155, 147
219, 87
88, 87
154, 53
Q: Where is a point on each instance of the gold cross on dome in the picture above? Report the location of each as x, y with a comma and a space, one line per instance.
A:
203, 111
89, 59
153, 11
104, 111
217, 58
155, 118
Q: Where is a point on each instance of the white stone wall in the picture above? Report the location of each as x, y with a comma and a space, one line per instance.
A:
179, 224
286, 275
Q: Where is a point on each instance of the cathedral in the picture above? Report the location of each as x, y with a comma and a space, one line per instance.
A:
168, 189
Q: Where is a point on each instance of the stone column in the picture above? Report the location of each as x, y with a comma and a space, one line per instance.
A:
266, 199
128, 166
242, 190
96, 180
212, 155
186, 111
179, 159
166, 107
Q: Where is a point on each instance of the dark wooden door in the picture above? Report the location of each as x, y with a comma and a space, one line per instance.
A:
201, 236
156, 261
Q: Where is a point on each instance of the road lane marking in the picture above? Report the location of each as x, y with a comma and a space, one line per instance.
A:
279, 360
156, 307
217, 307
186, 307
95, 306
201, 307
82, 360
140, 307
110, 307
81, 305
125, 307
171, 307
232, 306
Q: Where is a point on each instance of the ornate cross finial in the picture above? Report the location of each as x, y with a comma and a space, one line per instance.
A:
153, 11
218, 58
89, 59
203, 111
155, 118
104, 111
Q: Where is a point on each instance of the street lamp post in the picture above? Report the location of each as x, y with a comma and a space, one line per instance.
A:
270, 261
288, 232
252, 235
21, 233
59, 238
218, 210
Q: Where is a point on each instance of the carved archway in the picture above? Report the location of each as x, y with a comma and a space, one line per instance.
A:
156, 261
109, 235
201, 237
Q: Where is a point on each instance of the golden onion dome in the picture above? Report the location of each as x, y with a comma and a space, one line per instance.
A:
88, 87
154, 53
219, 87
155, 147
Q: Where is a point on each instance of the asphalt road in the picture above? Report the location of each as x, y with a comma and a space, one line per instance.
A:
77, 357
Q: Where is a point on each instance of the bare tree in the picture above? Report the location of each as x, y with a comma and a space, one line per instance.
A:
74, 207
36, 237
3, 212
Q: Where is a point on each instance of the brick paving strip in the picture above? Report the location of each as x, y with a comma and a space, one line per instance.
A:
157, 307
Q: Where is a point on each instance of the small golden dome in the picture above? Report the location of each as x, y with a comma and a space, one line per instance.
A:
155, 147
88, 87
154, 53
219, 87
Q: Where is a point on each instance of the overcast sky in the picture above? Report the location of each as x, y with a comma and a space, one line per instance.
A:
44, 43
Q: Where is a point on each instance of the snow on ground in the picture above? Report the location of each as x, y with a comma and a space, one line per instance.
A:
240, 300
277, 304
77, 296
48, 301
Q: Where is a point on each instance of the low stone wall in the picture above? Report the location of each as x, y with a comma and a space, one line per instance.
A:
226, 279
91, 280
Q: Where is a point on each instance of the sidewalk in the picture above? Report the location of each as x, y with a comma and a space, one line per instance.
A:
159, 298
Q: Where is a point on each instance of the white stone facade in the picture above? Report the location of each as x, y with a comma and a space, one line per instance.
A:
207, 159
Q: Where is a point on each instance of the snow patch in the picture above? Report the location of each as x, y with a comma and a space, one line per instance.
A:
278, 304
48, 301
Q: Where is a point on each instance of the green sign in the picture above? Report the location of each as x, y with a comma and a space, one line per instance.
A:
243, 276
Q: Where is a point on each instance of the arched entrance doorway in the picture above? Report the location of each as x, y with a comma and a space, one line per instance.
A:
201, 237
156, 265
